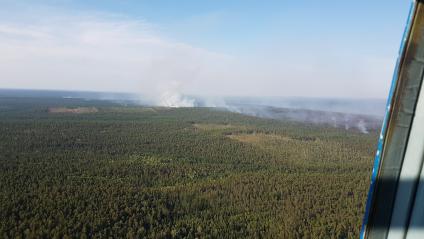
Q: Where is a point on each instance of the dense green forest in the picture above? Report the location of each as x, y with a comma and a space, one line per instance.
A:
72, 168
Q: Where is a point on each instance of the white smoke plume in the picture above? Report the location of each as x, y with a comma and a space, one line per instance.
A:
175, 99
362, 127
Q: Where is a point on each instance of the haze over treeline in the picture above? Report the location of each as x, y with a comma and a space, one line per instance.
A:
364, 115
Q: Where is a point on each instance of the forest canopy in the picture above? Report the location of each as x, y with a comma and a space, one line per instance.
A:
154, 172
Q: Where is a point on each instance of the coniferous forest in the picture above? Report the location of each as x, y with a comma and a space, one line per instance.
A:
73, 168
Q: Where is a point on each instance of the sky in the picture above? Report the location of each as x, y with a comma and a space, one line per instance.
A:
167, 49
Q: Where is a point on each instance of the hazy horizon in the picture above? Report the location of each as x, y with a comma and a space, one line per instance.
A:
240, 104
167, 52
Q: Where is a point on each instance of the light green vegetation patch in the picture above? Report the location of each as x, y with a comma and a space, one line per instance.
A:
218, 126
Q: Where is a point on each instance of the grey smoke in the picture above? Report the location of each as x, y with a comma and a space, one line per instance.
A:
363, 115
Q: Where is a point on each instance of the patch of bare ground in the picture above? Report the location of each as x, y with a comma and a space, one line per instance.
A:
213, 126
257, 138
77, 110
130, 109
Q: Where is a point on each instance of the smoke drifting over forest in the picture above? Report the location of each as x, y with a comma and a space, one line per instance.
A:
167, 64
362, 115
106, 52
362, 123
